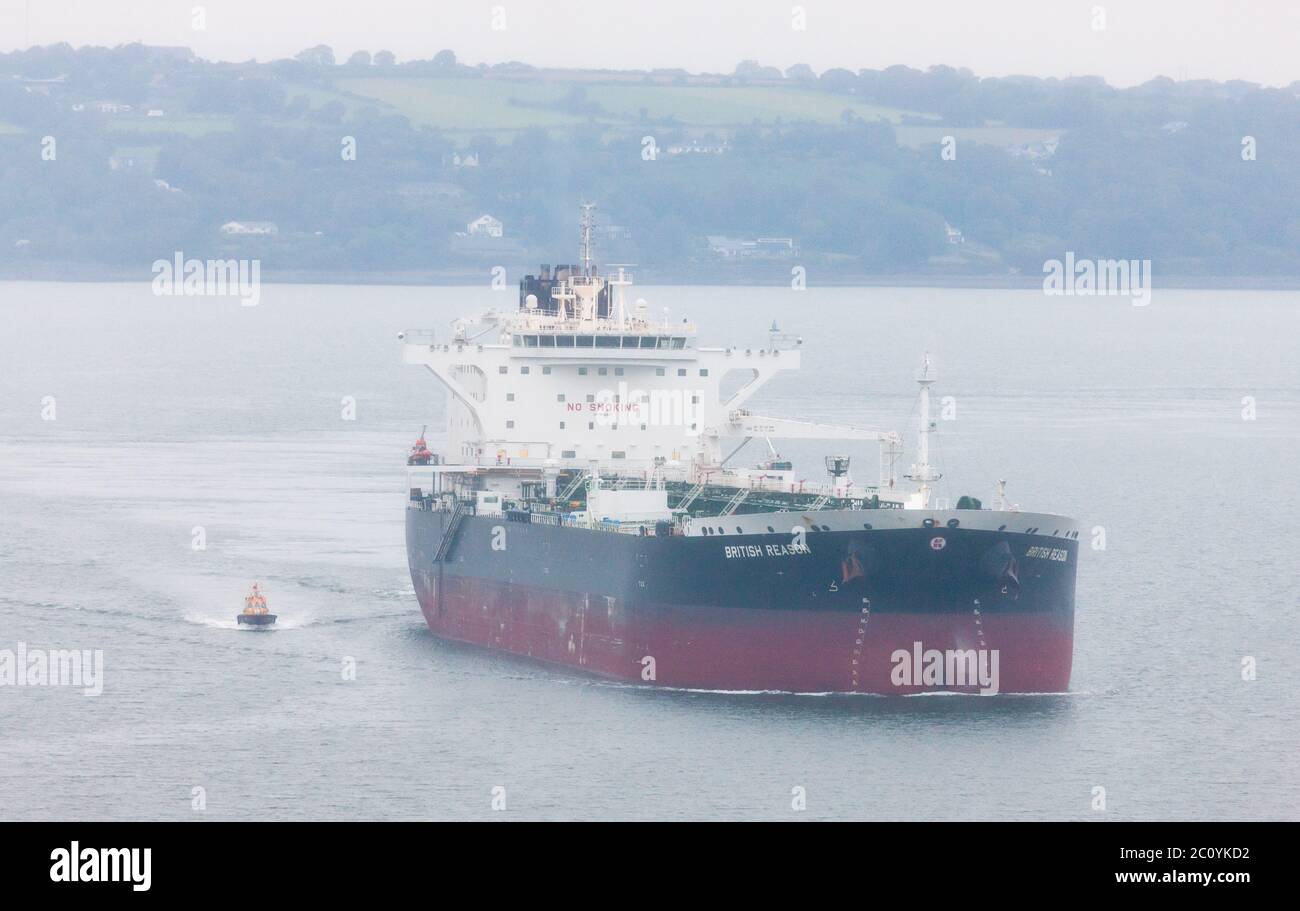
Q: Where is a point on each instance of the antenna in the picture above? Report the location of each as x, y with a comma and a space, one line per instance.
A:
584, 248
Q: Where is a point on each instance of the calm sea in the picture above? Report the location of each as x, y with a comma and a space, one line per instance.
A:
1170, 430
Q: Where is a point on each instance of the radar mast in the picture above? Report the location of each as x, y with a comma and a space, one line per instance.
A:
584, 247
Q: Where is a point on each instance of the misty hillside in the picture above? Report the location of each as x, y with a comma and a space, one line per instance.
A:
113, 158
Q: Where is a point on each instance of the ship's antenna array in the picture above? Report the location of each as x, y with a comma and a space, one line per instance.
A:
586, 224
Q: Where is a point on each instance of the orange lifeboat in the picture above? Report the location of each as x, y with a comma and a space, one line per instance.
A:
420, 454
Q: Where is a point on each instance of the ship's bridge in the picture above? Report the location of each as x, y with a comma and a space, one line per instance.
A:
610, 338
534, 328
586, 310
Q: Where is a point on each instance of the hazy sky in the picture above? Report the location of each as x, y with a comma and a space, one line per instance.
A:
1255, 40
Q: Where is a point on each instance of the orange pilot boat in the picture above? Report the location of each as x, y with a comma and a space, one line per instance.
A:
255, 611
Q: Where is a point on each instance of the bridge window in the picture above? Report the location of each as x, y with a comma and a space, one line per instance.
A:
564, 341
679, 343
607, 341
523, 370
548, 341
530, 341
659, 371
585, 341
649, 341
631, 341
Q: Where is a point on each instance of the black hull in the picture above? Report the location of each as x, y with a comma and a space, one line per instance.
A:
750, 611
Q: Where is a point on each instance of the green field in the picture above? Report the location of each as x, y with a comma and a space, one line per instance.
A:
486, 104
504, 107
466, 104
734, 105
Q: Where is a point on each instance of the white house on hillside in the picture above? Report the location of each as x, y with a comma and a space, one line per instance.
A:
485, 225
250, 227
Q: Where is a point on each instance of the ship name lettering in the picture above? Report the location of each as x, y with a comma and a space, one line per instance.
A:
1059, 554
746, 551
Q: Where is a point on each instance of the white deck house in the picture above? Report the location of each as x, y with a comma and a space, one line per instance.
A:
485, 226
244, 228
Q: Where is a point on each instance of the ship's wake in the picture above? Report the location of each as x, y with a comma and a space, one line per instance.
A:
282, 622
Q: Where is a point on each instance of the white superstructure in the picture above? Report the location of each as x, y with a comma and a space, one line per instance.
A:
580, 377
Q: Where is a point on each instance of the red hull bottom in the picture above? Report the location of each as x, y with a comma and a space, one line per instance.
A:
720, 648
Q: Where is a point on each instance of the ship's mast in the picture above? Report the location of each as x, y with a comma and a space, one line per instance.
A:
923, 472
588, 217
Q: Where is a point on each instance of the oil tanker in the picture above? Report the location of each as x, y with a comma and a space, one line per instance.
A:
587, 512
